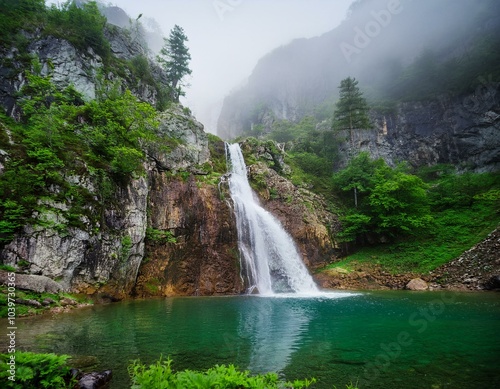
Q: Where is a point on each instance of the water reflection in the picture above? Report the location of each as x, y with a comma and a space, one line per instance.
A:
274, 329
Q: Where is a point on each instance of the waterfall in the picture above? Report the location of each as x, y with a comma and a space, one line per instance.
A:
270, 261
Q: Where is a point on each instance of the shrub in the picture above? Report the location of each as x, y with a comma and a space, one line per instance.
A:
36, 371
161, 376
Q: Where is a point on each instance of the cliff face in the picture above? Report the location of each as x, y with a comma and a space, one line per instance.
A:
202, 255
69, 66
170, 230
82, 259
106, 257
463, 131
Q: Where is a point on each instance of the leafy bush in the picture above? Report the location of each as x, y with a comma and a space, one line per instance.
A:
36, 371
161, 376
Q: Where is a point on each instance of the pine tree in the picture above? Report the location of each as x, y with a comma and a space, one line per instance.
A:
351, 113
352, 110
175, 57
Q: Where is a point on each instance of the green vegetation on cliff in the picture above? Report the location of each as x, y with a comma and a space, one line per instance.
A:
59, 137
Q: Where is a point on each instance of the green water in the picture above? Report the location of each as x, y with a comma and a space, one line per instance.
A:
383, 339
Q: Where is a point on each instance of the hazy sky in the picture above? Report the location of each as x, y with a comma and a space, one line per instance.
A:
227, 37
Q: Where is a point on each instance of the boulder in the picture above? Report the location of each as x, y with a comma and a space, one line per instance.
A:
417, 284
32, 282
67, 301
48, 301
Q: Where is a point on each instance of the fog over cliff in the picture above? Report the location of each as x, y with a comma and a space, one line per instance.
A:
376, 44
227, 37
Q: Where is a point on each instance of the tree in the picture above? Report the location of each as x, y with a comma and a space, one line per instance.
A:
357, 176
352, 109
175, 57
391, 202
351, 112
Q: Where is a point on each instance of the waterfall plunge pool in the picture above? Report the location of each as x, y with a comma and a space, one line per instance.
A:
391, 339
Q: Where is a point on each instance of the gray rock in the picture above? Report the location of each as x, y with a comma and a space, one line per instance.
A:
48, 301
31, 303
192, 149
34, 283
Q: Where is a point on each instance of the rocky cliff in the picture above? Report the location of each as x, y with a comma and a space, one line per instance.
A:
200, 255
168, 228
463, 131
67, 65
106, 257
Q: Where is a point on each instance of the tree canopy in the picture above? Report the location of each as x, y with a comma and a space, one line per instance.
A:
391, 201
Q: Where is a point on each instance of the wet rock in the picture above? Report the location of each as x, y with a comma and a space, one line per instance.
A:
493, 283
95, 380
417, 284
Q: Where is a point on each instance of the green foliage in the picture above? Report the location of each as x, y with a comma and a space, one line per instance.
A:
465, 208
175, 57
16, 15
217, 153
161, 376
126, 245
160, 236
23, 310
60, 135
36, 371
389, 202
82, 25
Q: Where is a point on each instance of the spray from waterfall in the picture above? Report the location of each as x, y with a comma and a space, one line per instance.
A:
270, 261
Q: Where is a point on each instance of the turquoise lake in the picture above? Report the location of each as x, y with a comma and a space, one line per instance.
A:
378, 339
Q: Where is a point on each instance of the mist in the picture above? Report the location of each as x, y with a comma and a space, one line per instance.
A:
227, 38
378, 43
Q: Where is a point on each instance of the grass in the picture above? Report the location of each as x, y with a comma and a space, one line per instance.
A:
455, 231
25, 310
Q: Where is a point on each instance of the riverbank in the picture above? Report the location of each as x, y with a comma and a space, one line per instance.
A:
476, 269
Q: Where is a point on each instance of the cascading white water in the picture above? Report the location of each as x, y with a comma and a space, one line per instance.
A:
270, 261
